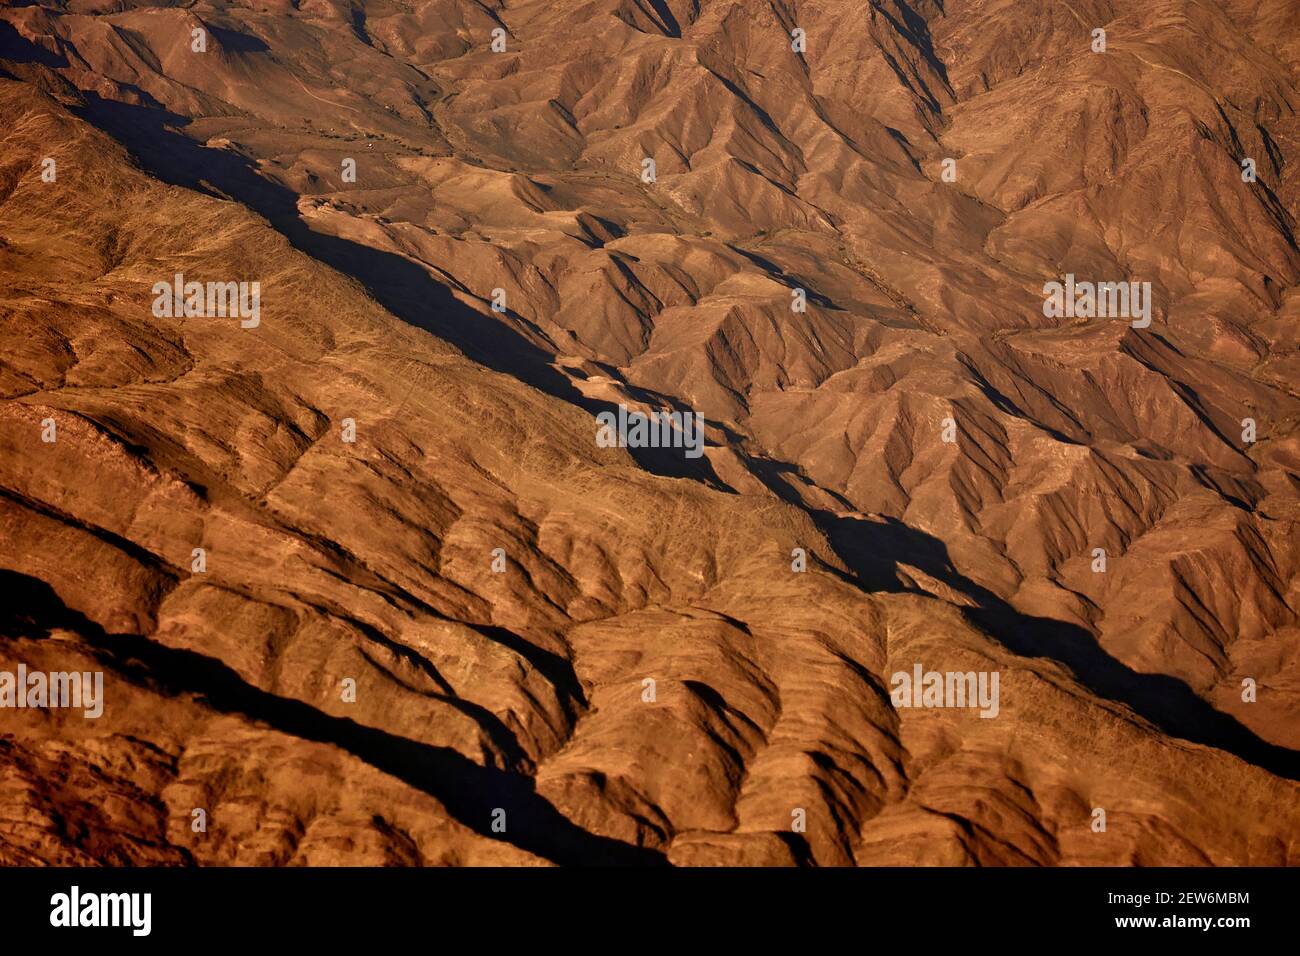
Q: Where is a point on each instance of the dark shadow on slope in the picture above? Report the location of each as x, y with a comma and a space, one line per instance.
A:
780, 275
505, 742
359, 28
782, 479
233, 41
666, 19
17, 48
763, 117
916, 31
552, 666
874, 549
401, 286
470, 793
799, 848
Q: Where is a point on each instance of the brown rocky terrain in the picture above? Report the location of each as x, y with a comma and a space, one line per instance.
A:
473, 635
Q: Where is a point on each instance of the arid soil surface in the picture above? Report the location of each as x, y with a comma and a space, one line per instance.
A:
363, 584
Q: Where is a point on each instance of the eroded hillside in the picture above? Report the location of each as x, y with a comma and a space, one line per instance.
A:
431, 619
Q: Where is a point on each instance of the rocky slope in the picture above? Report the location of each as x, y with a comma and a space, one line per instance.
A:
431, 620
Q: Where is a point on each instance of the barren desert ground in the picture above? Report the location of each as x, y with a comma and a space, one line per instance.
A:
660, 432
